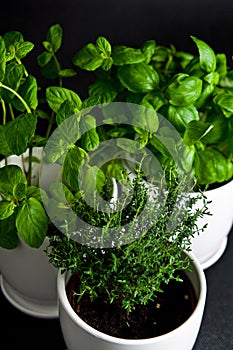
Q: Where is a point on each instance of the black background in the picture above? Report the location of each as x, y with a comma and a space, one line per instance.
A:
128, 22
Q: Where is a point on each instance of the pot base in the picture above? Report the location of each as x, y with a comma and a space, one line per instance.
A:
205, 264
28, 306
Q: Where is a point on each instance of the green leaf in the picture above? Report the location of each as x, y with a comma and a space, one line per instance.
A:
221, 64
206, 55
104, 90
90, 137
88, 58
54, 37
67, 73
28, 91
184, 90
12, 39
181, 116
32, 222
57, 95
92, 181
138, 77
66, 110
104, 47
19, 132
4, 147
148, 50
44, 58
210, 167
10, 176
22, 49
2, 58
35, 192
74, 160
196, 131
8, 234
64, 138
50, 70
225, 102
13, 75
19, 191
126, 55
6, 209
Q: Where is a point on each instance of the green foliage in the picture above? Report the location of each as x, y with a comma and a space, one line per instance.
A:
21, 210
194, 92
131, 273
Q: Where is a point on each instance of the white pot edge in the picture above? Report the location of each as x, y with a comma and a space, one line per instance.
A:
61, 282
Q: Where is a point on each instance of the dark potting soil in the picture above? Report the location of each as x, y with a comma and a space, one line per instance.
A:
170, 309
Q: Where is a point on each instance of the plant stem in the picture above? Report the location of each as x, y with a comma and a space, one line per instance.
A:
30, 166
17, 95
4, 111
11, 111
58, 68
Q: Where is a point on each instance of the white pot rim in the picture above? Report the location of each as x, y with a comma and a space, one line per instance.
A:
61, 282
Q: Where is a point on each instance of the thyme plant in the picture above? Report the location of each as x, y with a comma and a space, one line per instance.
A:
131, 273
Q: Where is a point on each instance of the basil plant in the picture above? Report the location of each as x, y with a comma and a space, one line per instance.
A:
194, 93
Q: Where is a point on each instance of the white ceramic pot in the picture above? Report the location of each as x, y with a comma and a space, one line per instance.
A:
209, 245
28, 280
80, 336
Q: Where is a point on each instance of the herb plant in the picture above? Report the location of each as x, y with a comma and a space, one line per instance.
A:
130, 272
25, 116
194, 92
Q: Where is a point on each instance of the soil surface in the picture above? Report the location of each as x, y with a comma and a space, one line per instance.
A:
171, 308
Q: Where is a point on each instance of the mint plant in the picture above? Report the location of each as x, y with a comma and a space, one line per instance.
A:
24, 106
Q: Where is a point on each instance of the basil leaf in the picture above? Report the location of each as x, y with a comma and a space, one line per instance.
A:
221, 64
210, 166
2, 58
184, 90
57, 95
148, 50
6, 209
138, 77
54, 37
28, 91
8, 235
19, 132
196, 131
225, 102
10, 176
206, 55
126, 55
181, 116
88, 58
32, 222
